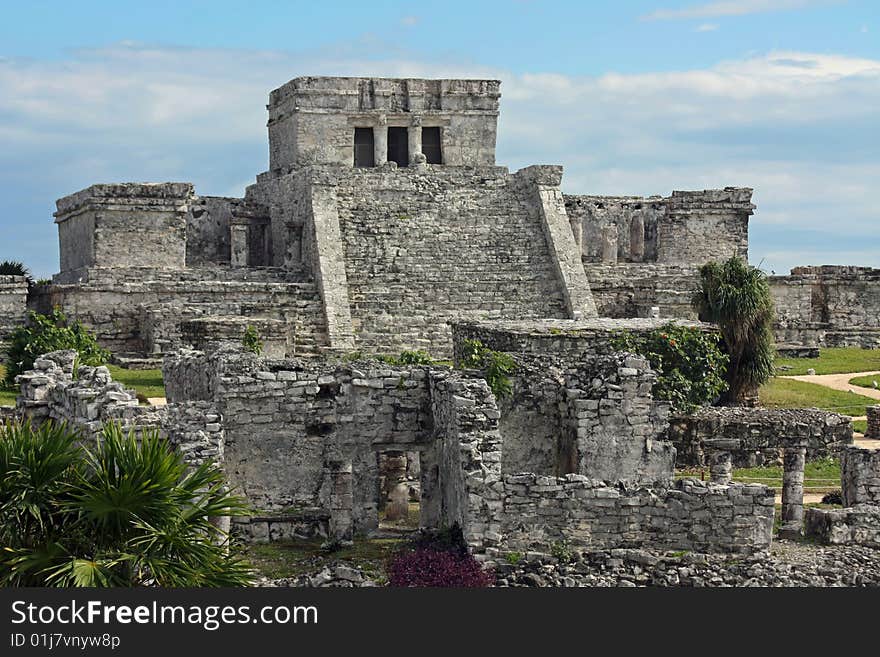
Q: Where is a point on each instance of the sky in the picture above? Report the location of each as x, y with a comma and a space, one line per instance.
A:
631, 97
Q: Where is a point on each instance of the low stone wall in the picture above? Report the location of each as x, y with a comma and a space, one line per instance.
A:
692, 515
858, 525
873, 430
761, 432
13, 305
570, 339
860, 476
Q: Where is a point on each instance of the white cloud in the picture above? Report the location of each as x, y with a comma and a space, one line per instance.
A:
707, 27
730, 8
798, 127
410, 21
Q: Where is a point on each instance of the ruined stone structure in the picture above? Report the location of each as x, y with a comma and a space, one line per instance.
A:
761, 433
575, 455
382, 217
859, 520
13, 304
828, 306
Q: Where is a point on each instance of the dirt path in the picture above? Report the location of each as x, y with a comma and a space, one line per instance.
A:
840, 382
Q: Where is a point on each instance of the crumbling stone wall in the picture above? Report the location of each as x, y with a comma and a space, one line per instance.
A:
873, 430
860, 476
690, 515
829, 306
761, 432
85, 400
687, 228
647, 289
140, 311
571, 340
13, 305
859, 521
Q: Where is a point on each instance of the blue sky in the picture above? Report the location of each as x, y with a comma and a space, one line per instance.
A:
631, 97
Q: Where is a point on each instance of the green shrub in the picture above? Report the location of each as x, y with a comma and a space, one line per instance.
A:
252, 341
407, 358
125, 512
689, 363
497, 366
45, 333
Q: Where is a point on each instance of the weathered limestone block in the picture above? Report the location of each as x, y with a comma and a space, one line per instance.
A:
873, 430
858, 525
860, 476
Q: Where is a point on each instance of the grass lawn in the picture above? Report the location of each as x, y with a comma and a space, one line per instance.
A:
820, 476
785, 393
7, 394
860, 426
866, 381
833, 360
147, 382
294, 558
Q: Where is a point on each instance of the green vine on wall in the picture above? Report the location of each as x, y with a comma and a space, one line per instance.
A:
497, 366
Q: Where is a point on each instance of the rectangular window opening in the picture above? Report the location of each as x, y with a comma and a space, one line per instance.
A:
431, 145
364, 148
398, 146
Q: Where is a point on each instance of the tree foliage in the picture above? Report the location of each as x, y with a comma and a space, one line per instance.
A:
689, 363
497, 366
45, 333
15, 268
736, 296
125, 512
251, 340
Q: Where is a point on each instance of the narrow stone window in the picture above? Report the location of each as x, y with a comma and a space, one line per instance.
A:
431, 145
398, 146
364, 151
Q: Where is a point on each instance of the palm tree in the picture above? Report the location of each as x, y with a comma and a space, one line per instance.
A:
124, 512
736, 296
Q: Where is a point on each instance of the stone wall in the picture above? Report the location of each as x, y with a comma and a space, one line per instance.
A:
295, 431
828, 306
140, 311
873, 430
630, 289
85, 401
860, 476
859, 525
691, 515
761, 432
687, 228
123, 225
859, 521
13, 305
570, 339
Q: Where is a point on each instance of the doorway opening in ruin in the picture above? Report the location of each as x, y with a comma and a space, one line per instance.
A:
364, 147
399, 494
398, 146
431, 145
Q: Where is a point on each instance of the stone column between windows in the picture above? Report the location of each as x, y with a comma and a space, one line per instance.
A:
414, 132
380, 144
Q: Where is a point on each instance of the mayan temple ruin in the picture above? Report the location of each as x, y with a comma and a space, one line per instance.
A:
384, 224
